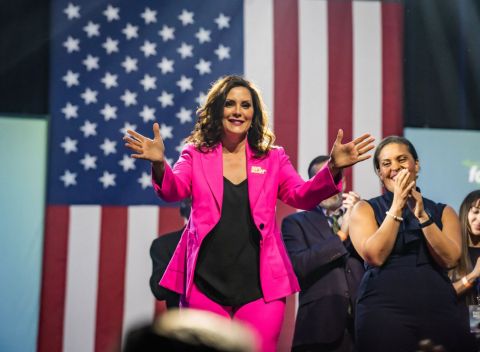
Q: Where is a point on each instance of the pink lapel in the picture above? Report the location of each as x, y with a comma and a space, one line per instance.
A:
212, 164
257, 172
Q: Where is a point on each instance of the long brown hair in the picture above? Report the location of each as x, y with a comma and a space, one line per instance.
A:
464, 264
471, 200
208, 129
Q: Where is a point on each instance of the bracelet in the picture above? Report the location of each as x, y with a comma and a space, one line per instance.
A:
465, 282
425, 223
396, 218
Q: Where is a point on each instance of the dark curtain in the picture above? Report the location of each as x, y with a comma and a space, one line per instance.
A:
442, 64
24, 32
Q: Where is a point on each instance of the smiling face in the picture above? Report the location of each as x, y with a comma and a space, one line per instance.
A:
237, 113
474, 218
393, 158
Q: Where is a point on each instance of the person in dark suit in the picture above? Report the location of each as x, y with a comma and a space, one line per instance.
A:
329, 271
161, 252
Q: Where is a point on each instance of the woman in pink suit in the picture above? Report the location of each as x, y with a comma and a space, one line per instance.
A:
231, 259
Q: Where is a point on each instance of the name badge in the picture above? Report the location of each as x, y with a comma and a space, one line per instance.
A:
257, 170
474, 313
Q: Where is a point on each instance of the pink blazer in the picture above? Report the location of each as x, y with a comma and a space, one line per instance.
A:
200, 175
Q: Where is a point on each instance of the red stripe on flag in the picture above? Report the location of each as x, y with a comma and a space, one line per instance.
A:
169, 220
286, 73
52, 302
286, 100
340, 74
111, 278
392, 55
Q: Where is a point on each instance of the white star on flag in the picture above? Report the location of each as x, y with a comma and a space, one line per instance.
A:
223, 52
129, 98
184, 115
127, 163
111, 13
109, 80
69, 178
110, 45
69, 145
167, 33
89, 129
222, 21
72, 44
186, 17
203, 35
92, 29
165, 99
149, 16
71, 78
89, 162
130, 64
149, 48
185, 83
109, 112
108, 147
165, 65
89, 96
148, 82
130, 31
70, 111
72, 11
147, 114
166, 131
185, 50
107, 179
145, 180
91, 62
203, 67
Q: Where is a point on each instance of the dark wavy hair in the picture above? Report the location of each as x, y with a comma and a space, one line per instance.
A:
464, 264
208, 129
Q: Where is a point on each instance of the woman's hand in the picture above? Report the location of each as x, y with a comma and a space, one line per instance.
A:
146, 148
401, 191
345, 155
415, 203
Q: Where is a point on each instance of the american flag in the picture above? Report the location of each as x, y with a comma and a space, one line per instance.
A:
321, 65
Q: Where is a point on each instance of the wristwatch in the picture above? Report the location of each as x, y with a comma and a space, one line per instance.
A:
428, 222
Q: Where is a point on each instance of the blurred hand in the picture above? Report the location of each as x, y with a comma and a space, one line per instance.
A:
349, 200
428, 346
146, 148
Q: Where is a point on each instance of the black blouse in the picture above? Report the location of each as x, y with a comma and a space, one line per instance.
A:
227, 269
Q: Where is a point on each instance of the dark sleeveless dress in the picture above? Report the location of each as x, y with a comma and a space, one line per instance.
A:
410, 297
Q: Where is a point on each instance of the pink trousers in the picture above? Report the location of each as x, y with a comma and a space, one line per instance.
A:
264, 318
